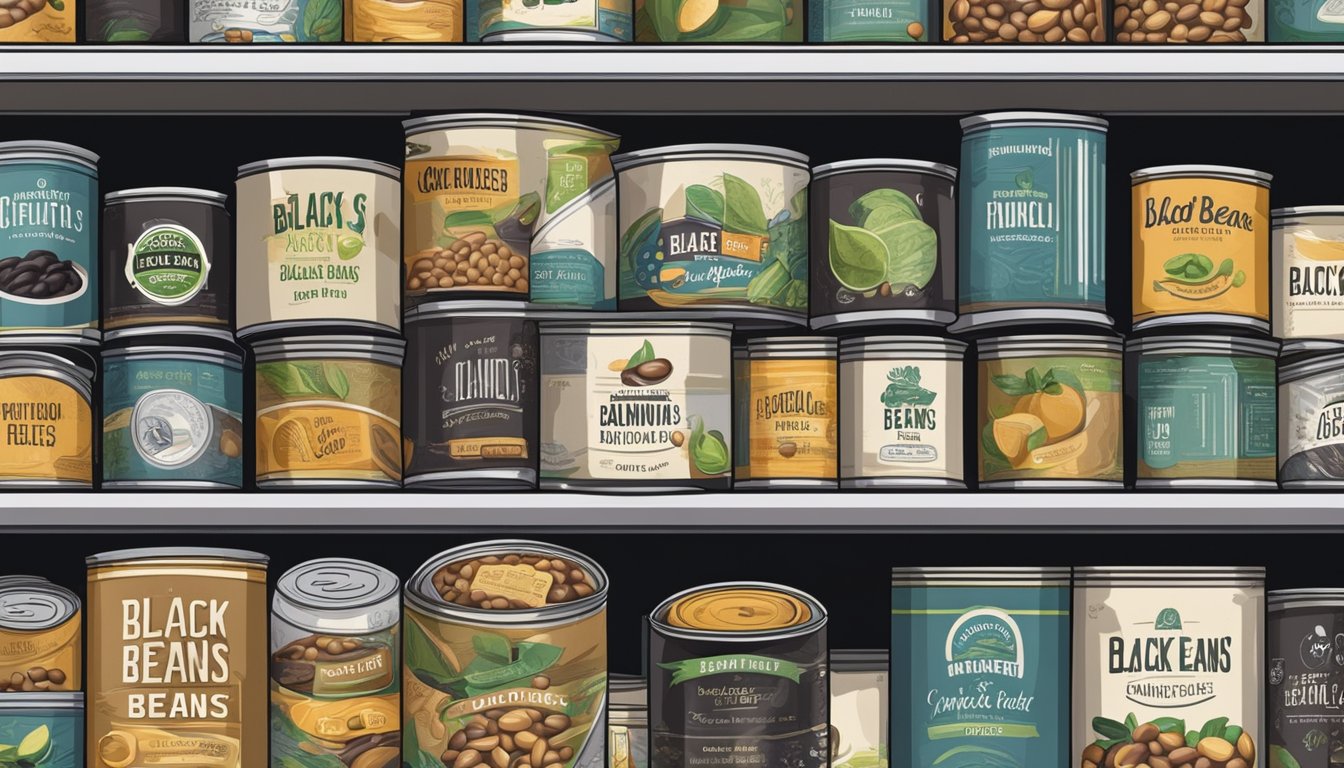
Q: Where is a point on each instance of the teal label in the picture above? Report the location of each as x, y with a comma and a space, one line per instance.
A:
1032, 224
1207, 416
886, 21
48, 245
570, 277
986, 676
731, 664
42, 738
172, 420
1306, 21
168, 264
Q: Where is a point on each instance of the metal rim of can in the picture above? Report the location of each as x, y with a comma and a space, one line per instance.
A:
228, 359
165, 194
166, 555
860, 660
890, 347
607, 185
1048, 345
419, 125
627, 698
212, 332
1278, 214
270, 329
868, 318
349, 347
686, 152
379, 604
980, 576
1203, 345
923, 167
1028, 119
1225, 172
552, 35
1168, 575
42, 700
49, 365
816, 621
1294, 347
64, 604
1312, 597
48, 150
319, 162
449, 310
1081, 313
624, 328
421, 594
1311, 366
791, 347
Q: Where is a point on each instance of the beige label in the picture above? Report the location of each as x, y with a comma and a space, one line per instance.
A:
46, 431
793, 422
1309, 280
41, 21
391, 21
514, 582
903, 418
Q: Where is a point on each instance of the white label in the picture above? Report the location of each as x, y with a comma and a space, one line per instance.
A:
902, 418
1309, 284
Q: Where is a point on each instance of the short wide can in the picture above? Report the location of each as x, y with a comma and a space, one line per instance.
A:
794, 425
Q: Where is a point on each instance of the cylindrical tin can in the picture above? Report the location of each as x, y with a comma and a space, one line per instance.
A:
49, 226
172, 416
642, 409
317, 244
901, 415
739, 669
793, 424
45, 729
471, 408
1307, 250
1051, 412
720, 227
1168, 655
883, 243
675, 21
980, 665
1071, 21
1306, 676
574, 253
134, 21
869, 21
1311, 422
46, 413
1190, 22
41, 629
628, 722
393, 21
478, 186
741, 412
1201, 246
335, 665
329, 412
1207, 411
506, 637
161, 245
576, 21
860, 711
283, 21
1031, 235
177, 658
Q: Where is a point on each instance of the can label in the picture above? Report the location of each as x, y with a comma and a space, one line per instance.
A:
793, 419
44, 659
1032, 228
871, 21
168, 264
1311, 427
271, 21
608, 17
38, 21
906, 419
1051, 418
48, 431
1207, 416
392, 21
1309, 280
1306, 21
1200, 246
689, 21
135, 21
328, 420
987, 675
574, 256
48, 263
39, 735
1305, 647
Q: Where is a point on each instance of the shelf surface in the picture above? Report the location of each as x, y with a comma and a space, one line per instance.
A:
689, 79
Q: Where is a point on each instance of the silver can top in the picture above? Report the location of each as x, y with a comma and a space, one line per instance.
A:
32, 606
338, 595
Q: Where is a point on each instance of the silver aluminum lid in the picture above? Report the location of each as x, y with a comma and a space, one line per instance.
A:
440, 310
175, 553
1326, 363
152, 352
320, 161
791, 347
1283, 599
1307, 210
417, 125
816, 620
979, 576
1169, 575
32, 606
709, 152
382, 348
73, 700
166, 193
1196, 345
79, 375
858, 347
1202, 171
1064, 119
1049, 344
884, 164
48, 150
338, 594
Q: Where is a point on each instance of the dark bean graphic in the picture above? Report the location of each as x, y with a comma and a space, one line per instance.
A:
648, 373
39, 275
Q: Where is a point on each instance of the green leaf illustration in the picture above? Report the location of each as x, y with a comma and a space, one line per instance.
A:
742, 210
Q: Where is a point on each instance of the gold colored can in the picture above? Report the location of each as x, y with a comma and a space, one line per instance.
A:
177, 658
395, 21
40, 636
792, 425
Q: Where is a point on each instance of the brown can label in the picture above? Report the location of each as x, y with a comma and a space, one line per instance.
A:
392, 21
793, 422
52, 656
47, 431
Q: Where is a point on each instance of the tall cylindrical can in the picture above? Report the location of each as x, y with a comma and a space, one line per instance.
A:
980, 665
177, 658
793, 432
1304, 648
1031, 234
335, 665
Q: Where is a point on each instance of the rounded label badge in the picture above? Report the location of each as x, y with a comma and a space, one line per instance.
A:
172, 428
168, 264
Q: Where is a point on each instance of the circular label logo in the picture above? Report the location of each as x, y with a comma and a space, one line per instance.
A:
172, 428
168, 264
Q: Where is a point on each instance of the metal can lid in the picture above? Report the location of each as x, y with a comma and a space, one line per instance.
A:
32, 606
129, 349
175, 553
791, 347
382, 348
709, 152
885, 164
320, 161
497, 120
326, 594
1049, 344
1023, 118
1282, 599
166, 193
18, 700
71, 365
439, 310
980, 576
744, 611
1332, 362
1167, 575
49, 150
1203, 345
1201, 171
858, 347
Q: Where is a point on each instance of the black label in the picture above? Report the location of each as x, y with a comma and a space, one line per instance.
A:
1306, 685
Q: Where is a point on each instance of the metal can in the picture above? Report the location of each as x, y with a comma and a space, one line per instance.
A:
472, 403
44, 729
689, 21
860, 712
586, 21
282, 21
49, 225
41, 629
1307, 250
1170, 655
1304, 21
980, 665
628, 722
329, 412
335, 665
1190, 22
537, 653
636, 409
901, 414
317, 245
161, 245
134, 21
393, 21
1305, 650
574, 253
46, 413
1031, 235
739, 669
793, 424
1311, 422
868, 21
883, 243
1201, 246
720, 227
1207, 411
177, 658
479, 186
172, 416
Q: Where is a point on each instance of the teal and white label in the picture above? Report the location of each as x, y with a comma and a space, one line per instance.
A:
886, 21
43, 738
574, 253
168, 264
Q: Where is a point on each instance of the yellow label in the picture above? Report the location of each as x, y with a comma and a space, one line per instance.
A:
793, 422
327, 441
57, 648
46, 431
519, 582
488, 448
740, 246
1201, 246
393, 21
468, 183
42, 22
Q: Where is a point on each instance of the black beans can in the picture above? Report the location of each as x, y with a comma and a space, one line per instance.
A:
135, 21
470, 410
883, 237
168, 255
1305, 649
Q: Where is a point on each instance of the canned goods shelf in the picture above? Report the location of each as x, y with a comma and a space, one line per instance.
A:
808, 79
831, 511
